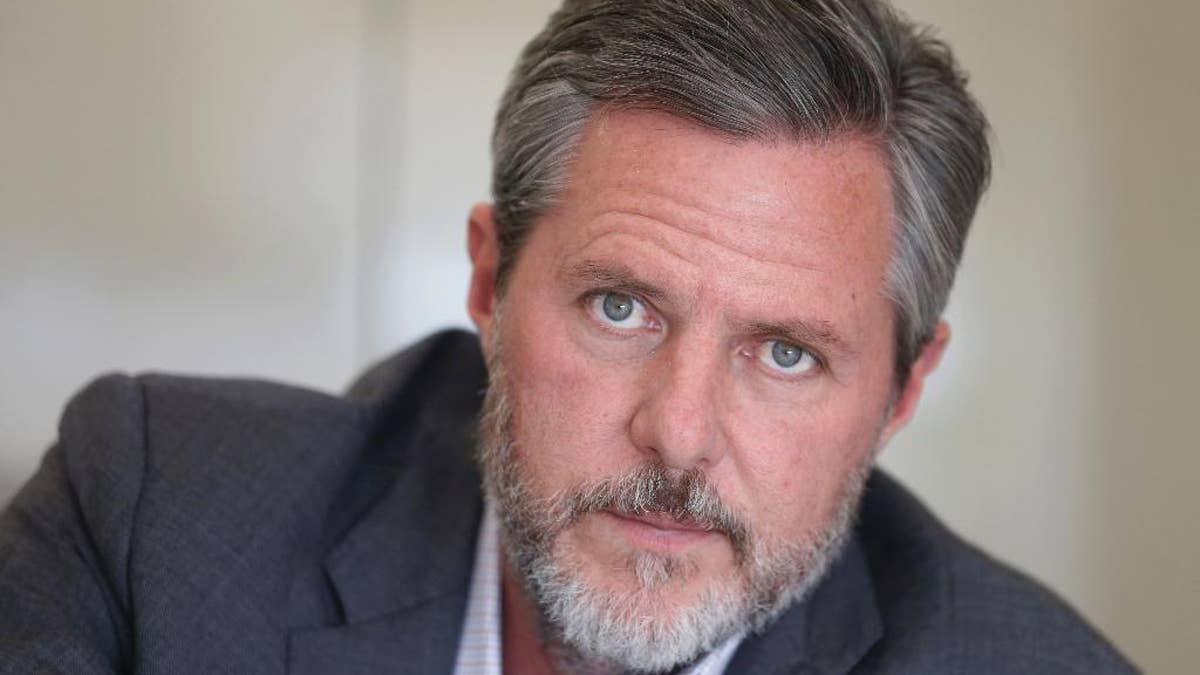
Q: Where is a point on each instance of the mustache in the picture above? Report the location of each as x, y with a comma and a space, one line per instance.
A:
685, 495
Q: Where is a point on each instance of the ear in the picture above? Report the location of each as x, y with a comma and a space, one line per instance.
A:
484, 249
906, 401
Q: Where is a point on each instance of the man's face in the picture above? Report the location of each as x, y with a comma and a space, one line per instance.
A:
705, 317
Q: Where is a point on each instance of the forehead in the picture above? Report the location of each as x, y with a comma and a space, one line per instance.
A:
742, 221
780, 201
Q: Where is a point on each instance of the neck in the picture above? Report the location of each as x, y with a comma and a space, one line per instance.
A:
521, 648
525, 648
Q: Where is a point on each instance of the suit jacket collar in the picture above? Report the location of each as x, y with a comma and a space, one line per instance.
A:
402, 570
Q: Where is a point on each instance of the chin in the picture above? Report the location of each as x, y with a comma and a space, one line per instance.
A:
652, 612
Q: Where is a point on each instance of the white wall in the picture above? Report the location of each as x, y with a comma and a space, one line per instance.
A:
282, 190
177, 191
456, 57
1058, 433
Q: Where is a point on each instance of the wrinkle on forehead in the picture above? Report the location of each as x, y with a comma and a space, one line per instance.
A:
713, 187
691, 236
695, 265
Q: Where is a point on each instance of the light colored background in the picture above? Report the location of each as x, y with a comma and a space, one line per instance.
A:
279, 188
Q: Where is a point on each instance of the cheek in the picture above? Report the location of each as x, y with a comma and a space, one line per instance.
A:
571, 411
793, 461
790, 468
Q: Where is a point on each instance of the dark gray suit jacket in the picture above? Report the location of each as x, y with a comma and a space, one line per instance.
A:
185, 525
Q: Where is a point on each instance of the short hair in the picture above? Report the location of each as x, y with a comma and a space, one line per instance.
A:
806, 70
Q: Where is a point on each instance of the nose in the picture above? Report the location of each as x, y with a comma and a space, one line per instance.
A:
677, 419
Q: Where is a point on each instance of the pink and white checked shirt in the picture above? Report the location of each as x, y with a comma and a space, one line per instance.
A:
479, 649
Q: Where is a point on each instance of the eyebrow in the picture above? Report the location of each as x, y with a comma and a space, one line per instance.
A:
614, 276
819, 333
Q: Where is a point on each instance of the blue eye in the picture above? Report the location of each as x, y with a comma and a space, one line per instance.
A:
786, 358
786, 355
618, 310
617, 307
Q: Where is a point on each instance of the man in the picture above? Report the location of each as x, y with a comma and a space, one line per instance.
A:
707, 295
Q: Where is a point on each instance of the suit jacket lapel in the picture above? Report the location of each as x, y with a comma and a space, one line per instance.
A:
421, 639
402, 571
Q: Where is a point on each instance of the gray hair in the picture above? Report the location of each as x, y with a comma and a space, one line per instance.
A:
797, 69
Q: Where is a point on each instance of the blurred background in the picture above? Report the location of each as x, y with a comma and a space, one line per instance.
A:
279, 188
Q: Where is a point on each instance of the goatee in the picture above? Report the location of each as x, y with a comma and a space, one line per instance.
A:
587, 627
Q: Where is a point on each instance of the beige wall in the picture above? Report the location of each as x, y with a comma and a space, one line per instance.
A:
281, 190
177, 191
1057, 435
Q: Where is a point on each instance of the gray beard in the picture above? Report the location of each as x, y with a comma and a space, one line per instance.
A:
588, 629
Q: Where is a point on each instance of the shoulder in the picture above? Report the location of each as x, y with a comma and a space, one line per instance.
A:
196, 431
173, 414
230, 458
949, 607
206, 503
